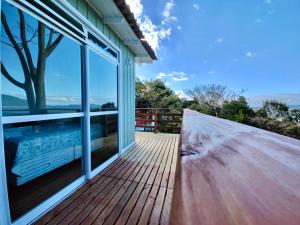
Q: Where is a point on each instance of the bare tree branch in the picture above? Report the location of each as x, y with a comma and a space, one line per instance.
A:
24, 41
7, 43
15, 44
50, 38
10, 78
50, 49
41, 52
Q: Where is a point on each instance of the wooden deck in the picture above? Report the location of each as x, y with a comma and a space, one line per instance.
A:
232, 174
135, 189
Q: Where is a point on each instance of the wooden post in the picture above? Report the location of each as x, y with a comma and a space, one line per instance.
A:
155, 121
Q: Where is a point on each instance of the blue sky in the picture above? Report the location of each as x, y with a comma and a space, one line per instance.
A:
252, 45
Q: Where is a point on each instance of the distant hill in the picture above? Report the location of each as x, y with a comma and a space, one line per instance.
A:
8, 100
294, 106
290, 106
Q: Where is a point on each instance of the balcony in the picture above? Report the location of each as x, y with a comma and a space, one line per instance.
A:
135, 189
228, 173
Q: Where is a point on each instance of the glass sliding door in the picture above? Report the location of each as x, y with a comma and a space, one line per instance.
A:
42, 113
103, 76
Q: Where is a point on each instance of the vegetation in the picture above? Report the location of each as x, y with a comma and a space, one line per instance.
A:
218, 100
155, 94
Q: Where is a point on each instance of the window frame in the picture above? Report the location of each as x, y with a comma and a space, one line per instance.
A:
86, 46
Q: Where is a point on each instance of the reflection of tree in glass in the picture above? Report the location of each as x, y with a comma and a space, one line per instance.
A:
108, 106
34, 84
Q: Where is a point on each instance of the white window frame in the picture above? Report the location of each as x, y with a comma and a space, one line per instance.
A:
97, 50
52, 201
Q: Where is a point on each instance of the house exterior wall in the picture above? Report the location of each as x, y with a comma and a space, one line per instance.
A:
77, 124
127, 101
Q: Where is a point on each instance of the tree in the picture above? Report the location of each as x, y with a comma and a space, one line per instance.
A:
34, 72
141, 101
276, 110
295, 115
236, 110
155, 94
212, 95
261, 113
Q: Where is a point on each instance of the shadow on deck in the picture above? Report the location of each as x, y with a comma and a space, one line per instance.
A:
135, 189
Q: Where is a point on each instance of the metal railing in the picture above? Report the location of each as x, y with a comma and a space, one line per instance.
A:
158, 120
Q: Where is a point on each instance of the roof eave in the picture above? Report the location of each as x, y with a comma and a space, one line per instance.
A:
118, 16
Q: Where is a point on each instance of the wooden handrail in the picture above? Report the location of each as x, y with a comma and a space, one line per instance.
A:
154, 119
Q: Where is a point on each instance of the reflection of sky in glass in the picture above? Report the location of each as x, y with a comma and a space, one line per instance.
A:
103, 80
63, 67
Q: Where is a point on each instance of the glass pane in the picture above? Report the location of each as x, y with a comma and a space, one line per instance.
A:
41, 73
41, 159
103, 84
104, 138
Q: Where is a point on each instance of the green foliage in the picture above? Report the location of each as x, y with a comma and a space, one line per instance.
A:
236, 110
288, 128
200, 107
276, 110
295, 115
217, 100
155, 94
240, 117
212, 95
261, 113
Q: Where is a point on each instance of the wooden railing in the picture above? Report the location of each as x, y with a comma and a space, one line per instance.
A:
158, 120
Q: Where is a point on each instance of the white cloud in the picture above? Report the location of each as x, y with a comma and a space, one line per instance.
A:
167, 12
181, 94
136, 7
161, 75
174, 76
154, 33
249, 54
179, 27
196, 6
169, 6
211, 72
165, 33
220, 40
179, 76
62, 100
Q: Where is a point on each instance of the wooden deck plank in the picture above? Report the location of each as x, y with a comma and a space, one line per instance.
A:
129, 191
148, 207
100, 206
119, 200
123, 161
82, 202
121, 218
134, 168
146, 169
158, 205
156, 164
79, 216
165, 216
136, 212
